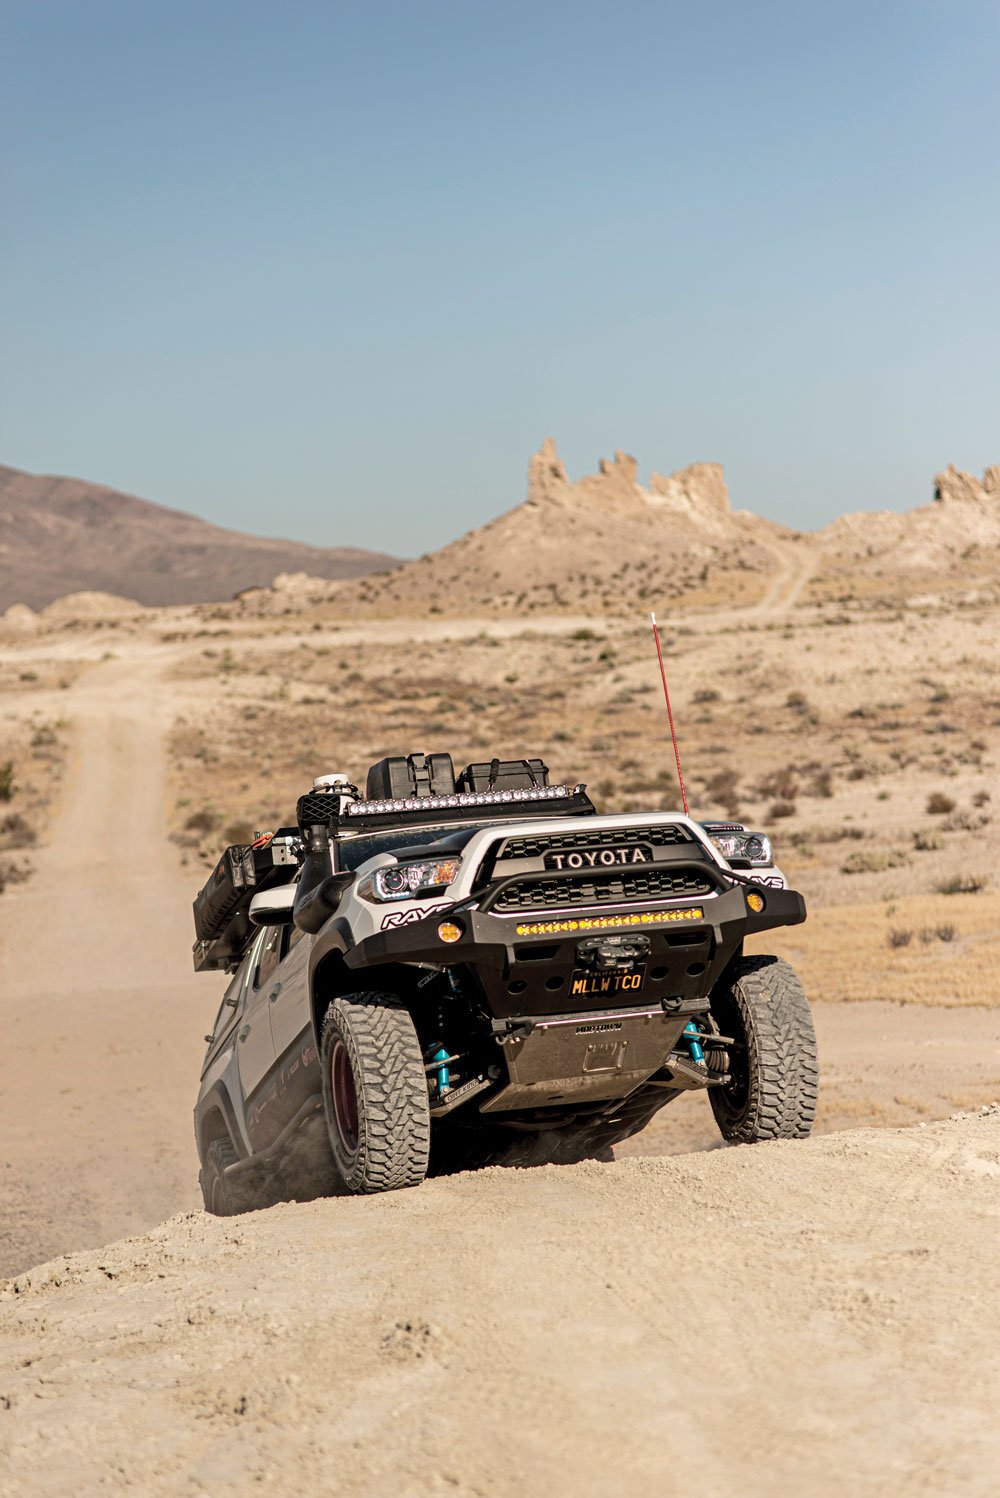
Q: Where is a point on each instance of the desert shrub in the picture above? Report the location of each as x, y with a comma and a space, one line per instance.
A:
927, 842
28, 676
961, 884
11, 873
963, 821
6, 780
981, 798
781, 784
945, 932
723, 788
836, 834
900, 937
869, 861
238, 832
204, 820
17, 832
781, 809
798, 702
821, 785
584, 634
938, 804
44, 737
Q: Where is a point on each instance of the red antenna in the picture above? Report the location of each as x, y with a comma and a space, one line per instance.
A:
673, 731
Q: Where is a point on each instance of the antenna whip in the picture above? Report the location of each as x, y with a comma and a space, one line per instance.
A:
673, 731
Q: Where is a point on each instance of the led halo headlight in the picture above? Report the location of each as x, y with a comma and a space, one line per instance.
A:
748, 847
405, 881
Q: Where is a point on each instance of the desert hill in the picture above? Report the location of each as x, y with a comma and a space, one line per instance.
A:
602, 542
951, 543
62, 535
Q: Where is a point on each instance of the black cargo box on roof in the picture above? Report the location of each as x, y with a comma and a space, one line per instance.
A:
504, 775
402, 776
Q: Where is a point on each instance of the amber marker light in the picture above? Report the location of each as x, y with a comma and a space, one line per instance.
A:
756, 903
449, 931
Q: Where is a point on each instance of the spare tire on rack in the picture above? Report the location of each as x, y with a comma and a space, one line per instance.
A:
773, 1069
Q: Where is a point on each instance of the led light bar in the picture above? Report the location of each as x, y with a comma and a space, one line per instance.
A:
604, 922
467, 798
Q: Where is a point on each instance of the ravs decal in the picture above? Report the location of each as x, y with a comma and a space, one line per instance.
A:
407, 917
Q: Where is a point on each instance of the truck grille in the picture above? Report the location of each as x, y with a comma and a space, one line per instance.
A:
603, 889
604, 837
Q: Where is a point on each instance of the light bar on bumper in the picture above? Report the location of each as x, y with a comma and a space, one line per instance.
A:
465, 798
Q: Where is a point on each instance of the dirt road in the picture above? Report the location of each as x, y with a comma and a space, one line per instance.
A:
814, 1318
101, 1013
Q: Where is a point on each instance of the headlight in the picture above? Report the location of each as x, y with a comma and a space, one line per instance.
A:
403, 881
747, 847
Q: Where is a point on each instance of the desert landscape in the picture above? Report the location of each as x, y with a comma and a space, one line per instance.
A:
688, 1317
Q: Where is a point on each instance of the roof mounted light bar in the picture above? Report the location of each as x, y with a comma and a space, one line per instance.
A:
468, 798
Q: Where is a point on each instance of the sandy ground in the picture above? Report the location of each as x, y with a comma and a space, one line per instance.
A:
789, 1319
814, 1318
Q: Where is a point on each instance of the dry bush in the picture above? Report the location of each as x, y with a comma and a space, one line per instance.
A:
781, 809
870, 861
203, 820
781, 784
945, 932
938, 804
7, 780
963, 821
961, 884
238, 832
899, 937
927, 842
17, 832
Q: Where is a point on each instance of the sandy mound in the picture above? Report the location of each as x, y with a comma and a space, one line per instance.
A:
756, 1321
89, 606
19, 619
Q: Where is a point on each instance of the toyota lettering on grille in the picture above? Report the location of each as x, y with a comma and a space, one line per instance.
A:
597, 858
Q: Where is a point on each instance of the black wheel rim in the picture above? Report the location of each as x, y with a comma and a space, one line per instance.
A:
345, 1098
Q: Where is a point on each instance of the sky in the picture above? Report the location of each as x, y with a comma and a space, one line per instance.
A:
333, 271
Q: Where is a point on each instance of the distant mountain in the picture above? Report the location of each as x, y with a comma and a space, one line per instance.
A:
61, 535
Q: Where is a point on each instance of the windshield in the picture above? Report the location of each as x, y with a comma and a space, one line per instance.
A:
352, 852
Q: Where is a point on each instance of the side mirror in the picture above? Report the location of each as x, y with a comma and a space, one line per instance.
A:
273, 907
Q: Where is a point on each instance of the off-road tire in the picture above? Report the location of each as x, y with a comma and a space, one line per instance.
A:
774, 1074
222, 1197
370, 1049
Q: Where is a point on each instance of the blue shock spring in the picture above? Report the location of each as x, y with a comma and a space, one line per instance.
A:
443, 1071
692, 1035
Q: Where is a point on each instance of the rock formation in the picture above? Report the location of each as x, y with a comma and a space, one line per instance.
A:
955, 487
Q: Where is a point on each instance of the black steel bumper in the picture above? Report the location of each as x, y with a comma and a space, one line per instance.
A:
531, 964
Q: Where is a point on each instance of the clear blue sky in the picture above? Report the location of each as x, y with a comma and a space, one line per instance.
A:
334, 270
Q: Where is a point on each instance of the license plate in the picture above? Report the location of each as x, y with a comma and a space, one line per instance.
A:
586, 984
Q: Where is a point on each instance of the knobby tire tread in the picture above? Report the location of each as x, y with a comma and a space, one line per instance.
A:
781, 1049
393, 1115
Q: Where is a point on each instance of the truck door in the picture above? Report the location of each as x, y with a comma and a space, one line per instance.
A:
254, 1045
291, 1027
